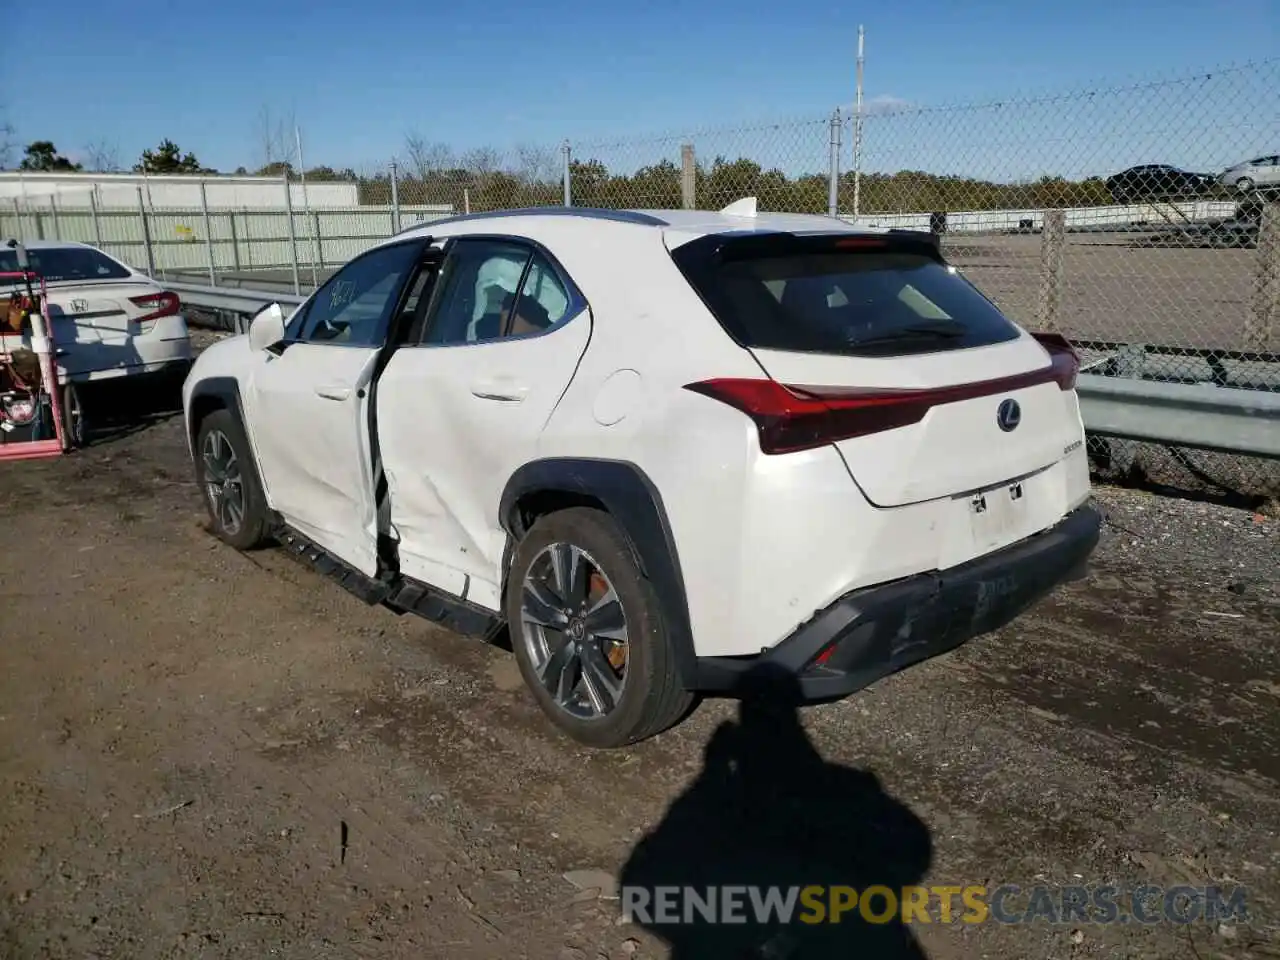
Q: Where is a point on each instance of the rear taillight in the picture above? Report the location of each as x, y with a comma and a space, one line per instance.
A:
791, 418
163, 304
800, 418
1065, 360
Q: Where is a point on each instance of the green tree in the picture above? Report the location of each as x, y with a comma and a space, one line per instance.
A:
167, 158
42, 155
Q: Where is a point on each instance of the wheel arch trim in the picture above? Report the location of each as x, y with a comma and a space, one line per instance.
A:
632, 499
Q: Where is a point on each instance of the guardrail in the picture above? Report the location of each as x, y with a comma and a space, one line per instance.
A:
1203, 416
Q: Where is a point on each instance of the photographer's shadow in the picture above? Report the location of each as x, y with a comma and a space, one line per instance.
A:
768, 812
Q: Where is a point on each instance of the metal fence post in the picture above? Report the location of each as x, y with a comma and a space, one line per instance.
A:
395, 198
568, 186
293, 232
235, 241
97, 220
833, 172
208, 234
318, 263
1265, 313
146, 235
688, 177
17, 213
1052, 241
53, 208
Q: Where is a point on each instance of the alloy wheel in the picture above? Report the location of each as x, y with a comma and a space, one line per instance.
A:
574, 630
223, 481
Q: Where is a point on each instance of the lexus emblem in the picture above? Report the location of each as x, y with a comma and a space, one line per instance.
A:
1008, 414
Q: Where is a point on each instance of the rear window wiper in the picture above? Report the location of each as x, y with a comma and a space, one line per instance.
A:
938, 330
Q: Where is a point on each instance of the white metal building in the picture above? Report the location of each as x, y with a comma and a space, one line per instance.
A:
115, 191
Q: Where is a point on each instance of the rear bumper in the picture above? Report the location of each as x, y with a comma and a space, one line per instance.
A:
873, 632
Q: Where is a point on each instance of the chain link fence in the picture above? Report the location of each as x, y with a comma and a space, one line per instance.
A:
1141, 220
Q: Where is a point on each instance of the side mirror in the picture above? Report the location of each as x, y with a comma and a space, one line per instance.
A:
266, 329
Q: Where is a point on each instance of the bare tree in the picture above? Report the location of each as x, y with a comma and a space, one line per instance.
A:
480, 161
102, 157
275, 137
538, 164
425, 158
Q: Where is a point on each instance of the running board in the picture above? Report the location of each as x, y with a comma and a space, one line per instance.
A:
399, 593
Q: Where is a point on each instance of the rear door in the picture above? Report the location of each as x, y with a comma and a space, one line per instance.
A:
462, 407
933, 392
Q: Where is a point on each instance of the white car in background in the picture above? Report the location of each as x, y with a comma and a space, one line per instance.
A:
109, 320
1260, 173
675, 452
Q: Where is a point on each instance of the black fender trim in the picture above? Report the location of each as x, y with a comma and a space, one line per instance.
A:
225, 389
631, 498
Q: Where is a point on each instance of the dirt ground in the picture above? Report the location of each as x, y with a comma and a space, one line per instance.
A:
210, 754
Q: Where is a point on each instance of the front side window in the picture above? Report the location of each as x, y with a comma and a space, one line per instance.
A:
354, 306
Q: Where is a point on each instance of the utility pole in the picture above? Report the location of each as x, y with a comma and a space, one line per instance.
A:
857, 133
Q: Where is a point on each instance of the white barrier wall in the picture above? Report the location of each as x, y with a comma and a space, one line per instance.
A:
120, 191
994, 221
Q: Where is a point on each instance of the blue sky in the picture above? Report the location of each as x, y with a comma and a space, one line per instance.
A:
357, 77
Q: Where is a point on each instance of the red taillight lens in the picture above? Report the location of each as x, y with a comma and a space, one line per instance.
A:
163, 304
793, 418
800, 418
1065, 360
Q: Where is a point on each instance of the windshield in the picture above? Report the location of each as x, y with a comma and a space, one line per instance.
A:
866, 302
56, 264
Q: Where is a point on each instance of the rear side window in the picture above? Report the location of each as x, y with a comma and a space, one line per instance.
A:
810, 295
57, 264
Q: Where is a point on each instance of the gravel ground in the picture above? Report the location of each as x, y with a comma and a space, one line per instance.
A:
212, 754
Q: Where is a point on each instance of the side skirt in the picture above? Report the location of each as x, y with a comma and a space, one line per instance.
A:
399, 593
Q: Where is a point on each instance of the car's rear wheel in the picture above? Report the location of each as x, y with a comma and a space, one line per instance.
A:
73, 425
589, 634
237, 507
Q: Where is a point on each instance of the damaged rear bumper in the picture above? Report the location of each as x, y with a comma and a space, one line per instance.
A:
873, 632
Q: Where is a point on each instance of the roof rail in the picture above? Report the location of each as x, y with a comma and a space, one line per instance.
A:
591, 213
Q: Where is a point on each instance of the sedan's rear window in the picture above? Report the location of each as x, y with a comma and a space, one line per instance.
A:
58, 264
813, 296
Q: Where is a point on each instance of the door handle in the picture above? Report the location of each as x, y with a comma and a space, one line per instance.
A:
333, 391
504, 391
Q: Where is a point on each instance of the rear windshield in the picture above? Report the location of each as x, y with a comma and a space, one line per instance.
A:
63, 263
812, 297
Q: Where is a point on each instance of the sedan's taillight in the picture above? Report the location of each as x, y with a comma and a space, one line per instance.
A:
162, 304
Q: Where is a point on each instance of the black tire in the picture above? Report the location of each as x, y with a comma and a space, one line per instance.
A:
253, 529
652, 698
73, 422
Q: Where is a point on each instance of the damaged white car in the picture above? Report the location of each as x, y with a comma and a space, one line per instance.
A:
668, 451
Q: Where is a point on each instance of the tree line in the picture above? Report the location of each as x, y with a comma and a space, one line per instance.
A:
484, 180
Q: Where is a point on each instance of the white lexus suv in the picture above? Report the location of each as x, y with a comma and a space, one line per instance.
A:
670, 452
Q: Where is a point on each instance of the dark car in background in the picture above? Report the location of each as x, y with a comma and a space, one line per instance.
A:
1158, 181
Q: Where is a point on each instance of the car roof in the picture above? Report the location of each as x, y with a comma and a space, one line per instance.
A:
679, 226
47, 244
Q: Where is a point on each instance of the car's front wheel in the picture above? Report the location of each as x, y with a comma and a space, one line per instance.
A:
1244, 185
589, 634
237, 507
